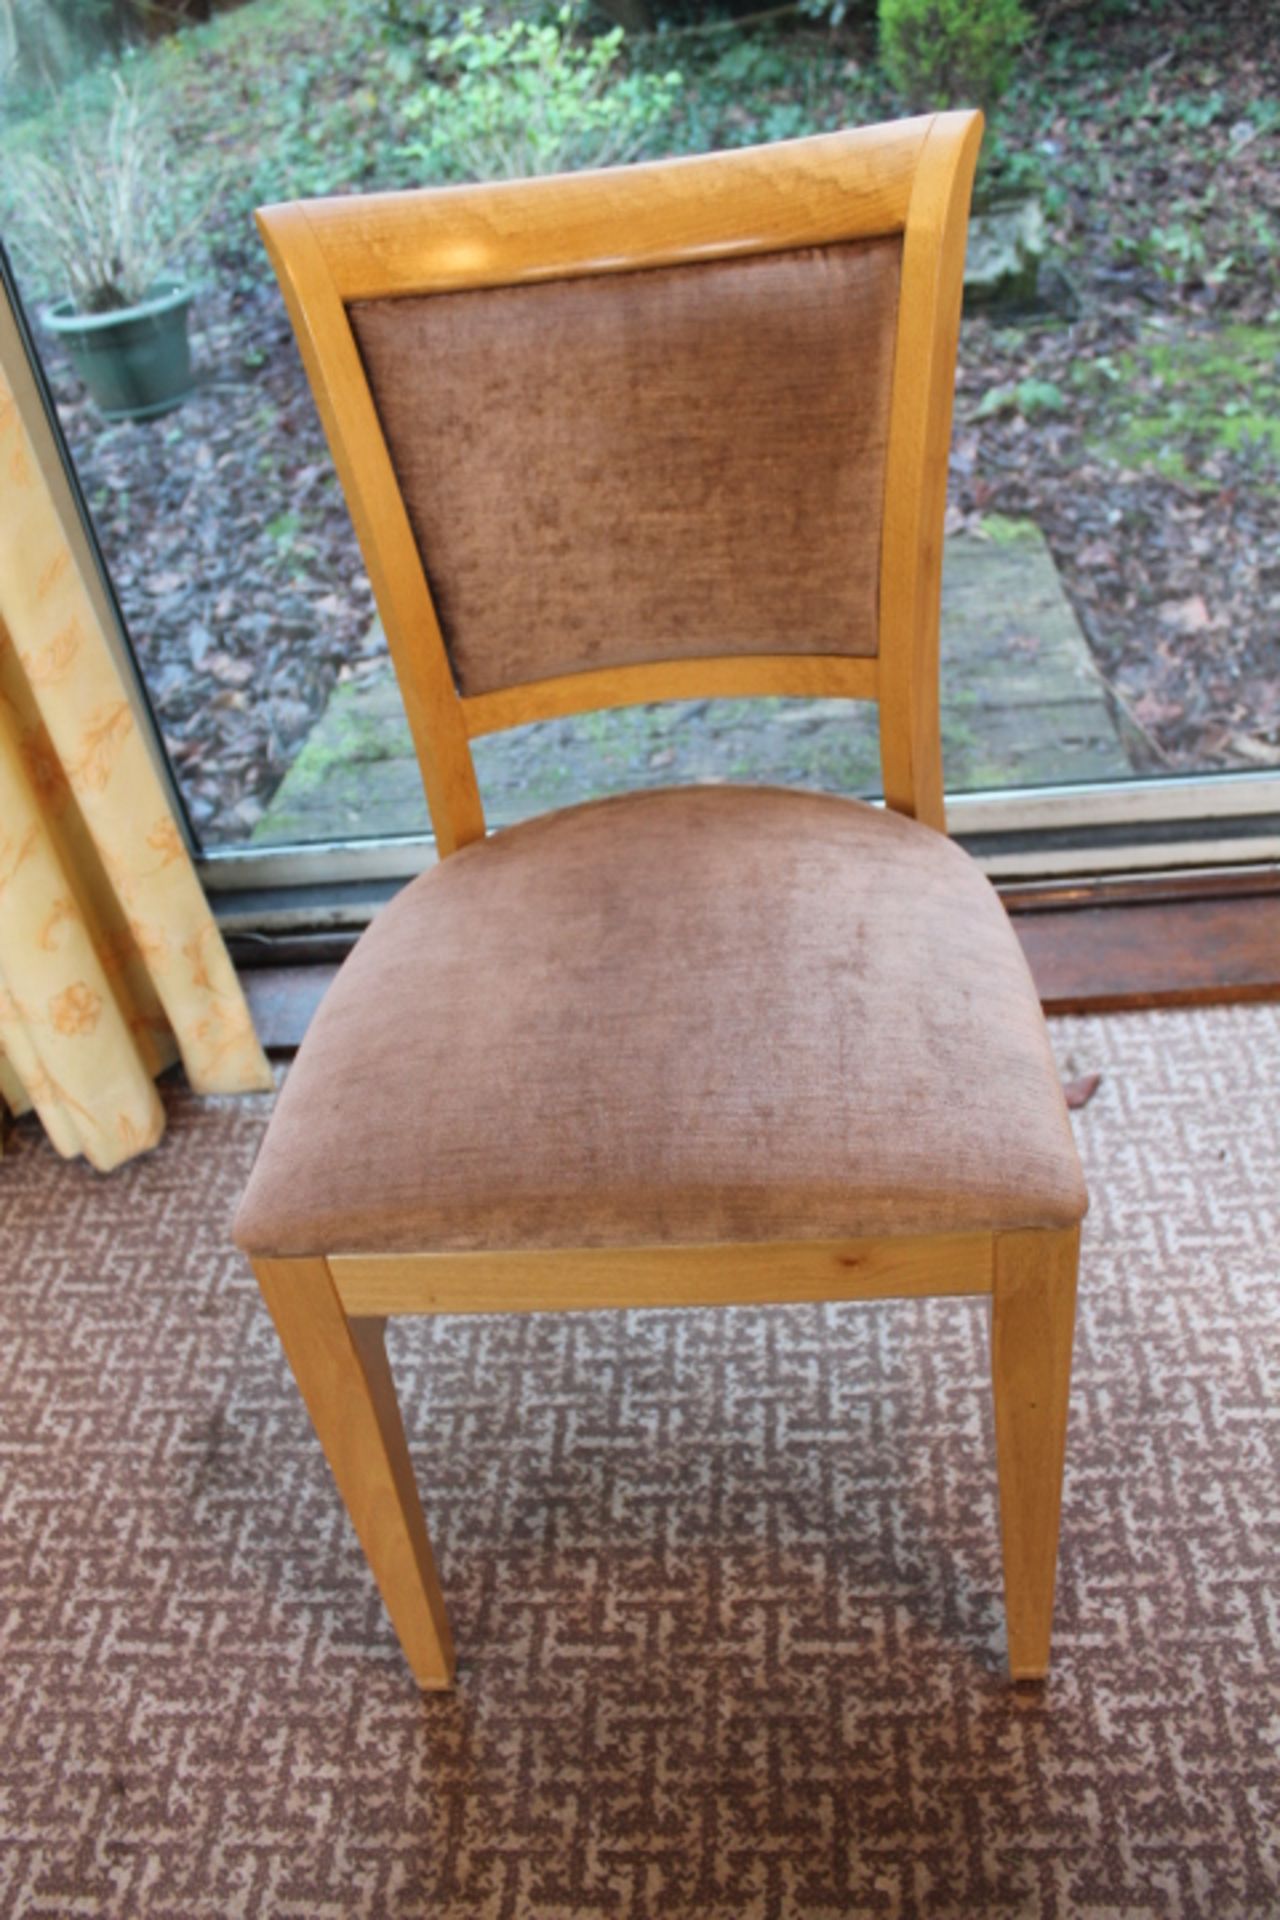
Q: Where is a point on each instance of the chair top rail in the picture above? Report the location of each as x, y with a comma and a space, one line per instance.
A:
796, 193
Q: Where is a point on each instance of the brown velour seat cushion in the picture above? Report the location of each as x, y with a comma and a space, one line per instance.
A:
717, 1013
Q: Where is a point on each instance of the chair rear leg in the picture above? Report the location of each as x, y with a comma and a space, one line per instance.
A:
1032, 1326
340, 1366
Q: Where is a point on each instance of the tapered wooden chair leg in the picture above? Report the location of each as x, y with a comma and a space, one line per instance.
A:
1032, 1325
341, 1369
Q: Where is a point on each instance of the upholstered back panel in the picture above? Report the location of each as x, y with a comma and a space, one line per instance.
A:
645, 466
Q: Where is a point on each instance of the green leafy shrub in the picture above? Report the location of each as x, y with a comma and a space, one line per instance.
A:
757, 87
530, 97
943, 53
1031, 398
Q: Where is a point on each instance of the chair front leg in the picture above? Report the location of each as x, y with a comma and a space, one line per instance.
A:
340, 1366
1032, 1327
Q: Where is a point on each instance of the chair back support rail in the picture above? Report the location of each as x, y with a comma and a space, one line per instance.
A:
909, 181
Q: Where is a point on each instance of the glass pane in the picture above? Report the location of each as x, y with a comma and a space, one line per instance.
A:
1111, 600
1127, 402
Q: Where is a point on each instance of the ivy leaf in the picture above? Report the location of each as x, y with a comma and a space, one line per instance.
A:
994, 401
1035, 397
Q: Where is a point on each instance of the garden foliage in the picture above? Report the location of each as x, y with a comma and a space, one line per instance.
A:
951, 53
530, 97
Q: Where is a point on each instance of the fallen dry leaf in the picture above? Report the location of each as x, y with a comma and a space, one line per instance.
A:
1186, 616
1079, 1093
232, 672
1263, 753
163, 584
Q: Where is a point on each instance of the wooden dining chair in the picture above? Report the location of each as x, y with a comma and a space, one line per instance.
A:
668, 432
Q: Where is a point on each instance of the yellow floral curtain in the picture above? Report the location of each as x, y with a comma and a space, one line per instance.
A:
111, 966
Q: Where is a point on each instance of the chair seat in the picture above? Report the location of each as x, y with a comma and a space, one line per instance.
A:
708, 1014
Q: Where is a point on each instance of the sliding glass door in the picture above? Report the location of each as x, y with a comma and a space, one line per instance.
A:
1111, 618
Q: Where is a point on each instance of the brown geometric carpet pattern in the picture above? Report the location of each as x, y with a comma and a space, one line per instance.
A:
726, 1586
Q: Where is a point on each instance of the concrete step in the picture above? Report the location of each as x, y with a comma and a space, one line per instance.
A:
1021, 706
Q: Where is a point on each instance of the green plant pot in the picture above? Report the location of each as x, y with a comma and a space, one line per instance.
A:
135, 361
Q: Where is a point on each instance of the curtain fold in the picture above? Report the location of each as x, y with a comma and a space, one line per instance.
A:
111, 965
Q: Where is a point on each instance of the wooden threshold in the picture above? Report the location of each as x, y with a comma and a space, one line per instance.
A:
282, 1000
1163, 953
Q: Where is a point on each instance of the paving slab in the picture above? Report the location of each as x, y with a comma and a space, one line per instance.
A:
1021, 704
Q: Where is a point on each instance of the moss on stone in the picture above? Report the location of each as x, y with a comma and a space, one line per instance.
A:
1004, 532
1178, 399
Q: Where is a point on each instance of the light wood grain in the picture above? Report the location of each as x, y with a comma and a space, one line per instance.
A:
799, 675
797, 193
1032, 1326
341, 1369
544, 1280
400, 588
916, 471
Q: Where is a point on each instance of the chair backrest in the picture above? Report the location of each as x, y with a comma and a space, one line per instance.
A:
668, 431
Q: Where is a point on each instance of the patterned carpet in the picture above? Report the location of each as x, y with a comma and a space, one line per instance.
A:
726, 1587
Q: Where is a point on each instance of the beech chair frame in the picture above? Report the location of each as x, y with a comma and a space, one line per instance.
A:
911, 179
